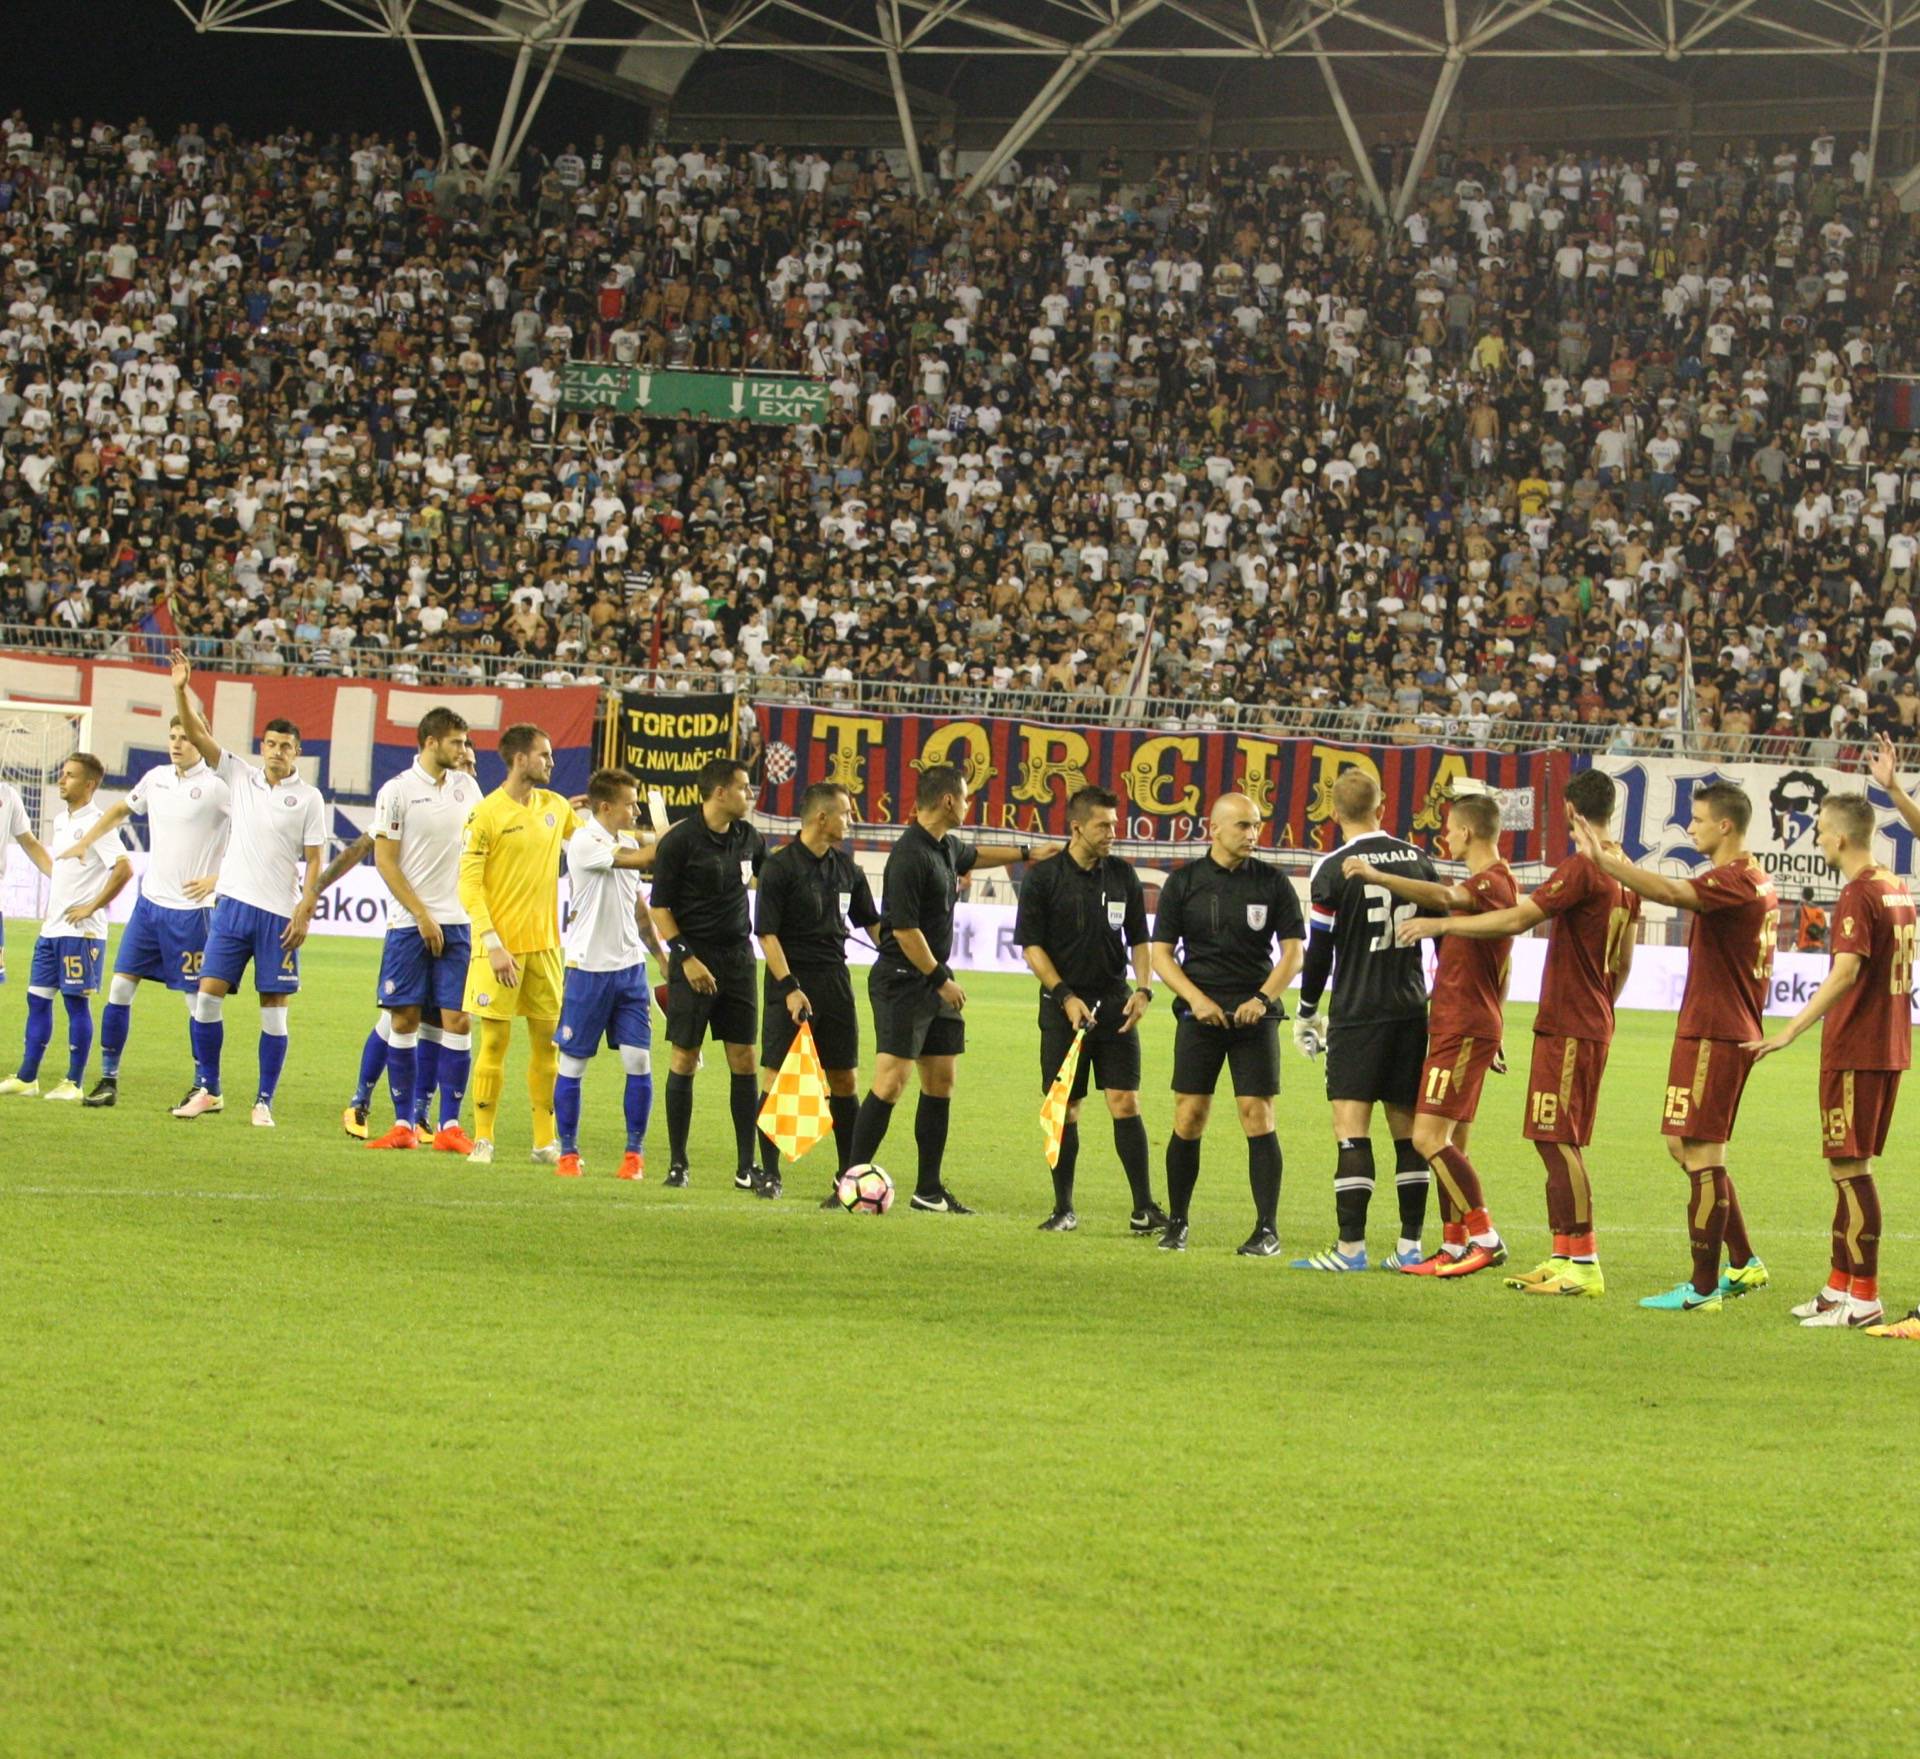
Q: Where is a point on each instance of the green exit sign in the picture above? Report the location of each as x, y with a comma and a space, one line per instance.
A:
674, 396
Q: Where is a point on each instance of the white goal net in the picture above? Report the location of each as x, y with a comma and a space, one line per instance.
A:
36, 738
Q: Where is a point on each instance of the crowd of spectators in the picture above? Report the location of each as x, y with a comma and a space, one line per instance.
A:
1512, 460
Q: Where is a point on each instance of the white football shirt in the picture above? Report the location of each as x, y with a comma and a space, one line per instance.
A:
426, 818
271, 828
14, 823
187, 818
602, 931
78, 882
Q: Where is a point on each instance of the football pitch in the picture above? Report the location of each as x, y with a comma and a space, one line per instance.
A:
308, 1450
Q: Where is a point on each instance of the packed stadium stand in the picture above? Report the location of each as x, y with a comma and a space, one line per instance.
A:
1489, 473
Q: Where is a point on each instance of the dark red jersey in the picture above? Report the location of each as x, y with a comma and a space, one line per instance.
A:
1466, 984
1593, 919
1730, 947
1870, 1027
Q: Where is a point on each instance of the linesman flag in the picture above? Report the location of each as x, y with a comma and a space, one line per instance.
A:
1053, 1113
796, 1114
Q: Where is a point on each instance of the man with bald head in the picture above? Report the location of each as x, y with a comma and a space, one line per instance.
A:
1214, 937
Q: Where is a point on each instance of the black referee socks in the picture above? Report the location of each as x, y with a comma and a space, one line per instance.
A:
743, 1095
869, 1130
1063, 1167
1183, 1173
679, 1116
1263, 1175
930, 1135
843, 1108
1130, 1143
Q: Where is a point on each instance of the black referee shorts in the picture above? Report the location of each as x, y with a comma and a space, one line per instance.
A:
909, 1020
1376, 1060
836, 1025
1251, 1054
730, 1013
1110, 1057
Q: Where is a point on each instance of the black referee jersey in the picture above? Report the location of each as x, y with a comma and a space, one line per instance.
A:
703, 879
810, 903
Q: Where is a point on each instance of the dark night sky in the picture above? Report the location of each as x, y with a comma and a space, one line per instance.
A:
142, 57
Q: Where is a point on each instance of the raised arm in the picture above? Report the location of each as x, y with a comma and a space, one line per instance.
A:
1428, 894
192, 722
351, 856
1884, 766
1841, 977
1489, 925
1677, 894
108, 822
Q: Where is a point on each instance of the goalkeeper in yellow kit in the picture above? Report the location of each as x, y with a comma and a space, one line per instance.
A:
510, 886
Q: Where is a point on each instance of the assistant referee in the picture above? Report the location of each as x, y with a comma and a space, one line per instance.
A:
1213, 940
702, 868
1082, 921
812, 894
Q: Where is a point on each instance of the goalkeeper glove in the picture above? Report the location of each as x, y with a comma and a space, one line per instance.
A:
1309, 1036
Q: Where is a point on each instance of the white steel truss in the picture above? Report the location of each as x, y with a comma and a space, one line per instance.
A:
1166, 52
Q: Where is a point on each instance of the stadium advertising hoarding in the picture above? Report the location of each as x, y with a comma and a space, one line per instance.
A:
664, 740
1657, 802
1022, 774
354, 735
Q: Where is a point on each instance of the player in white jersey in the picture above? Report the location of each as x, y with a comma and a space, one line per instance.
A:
418, 820
609, 932
442, 1057
72, 948
15, 827
278, 825
185, 806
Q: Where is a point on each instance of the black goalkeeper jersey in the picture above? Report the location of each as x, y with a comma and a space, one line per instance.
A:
1374, 977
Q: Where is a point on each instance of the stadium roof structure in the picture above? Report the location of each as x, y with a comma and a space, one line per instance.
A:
993, 76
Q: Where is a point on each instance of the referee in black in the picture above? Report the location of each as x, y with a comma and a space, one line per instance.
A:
812, 893
702, 868
917, 1021
1082, 921
1213, 942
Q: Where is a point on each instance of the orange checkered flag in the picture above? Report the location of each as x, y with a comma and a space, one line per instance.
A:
1053, 1113
796, 1115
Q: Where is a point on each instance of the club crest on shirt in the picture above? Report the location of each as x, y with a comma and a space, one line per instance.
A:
291, 800
1256, 916
549, 821
193, 793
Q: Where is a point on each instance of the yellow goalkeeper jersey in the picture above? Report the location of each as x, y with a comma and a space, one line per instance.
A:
510, 868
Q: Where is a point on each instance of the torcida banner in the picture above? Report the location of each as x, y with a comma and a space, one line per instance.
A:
1022, 774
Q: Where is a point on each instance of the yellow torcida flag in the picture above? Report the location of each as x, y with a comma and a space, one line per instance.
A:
1053, 1113
796, 1115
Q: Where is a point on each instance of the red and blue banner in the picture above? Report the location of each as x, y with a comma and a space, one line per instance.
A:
1022, 774
355, 734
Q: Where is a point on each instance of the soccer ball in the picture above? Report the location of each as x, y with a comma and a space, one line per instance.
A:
864, 1190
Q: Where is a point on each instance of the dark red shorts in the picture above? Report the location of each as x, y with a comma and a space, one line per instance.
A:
1452, 1075
1563, 1089
1856, 1111
1705, 1078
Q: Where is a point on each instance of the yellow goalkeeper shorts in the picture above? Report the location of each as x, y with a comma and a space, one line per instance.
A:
536, 995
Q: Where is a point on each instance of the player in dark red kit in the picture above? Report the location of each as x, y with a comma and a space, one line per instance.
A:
1866, 1043
1730, 948
1464, 1031
1587, 962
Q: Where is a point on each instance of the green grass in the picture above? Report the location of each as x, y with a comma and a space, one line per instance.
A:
309, 1451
